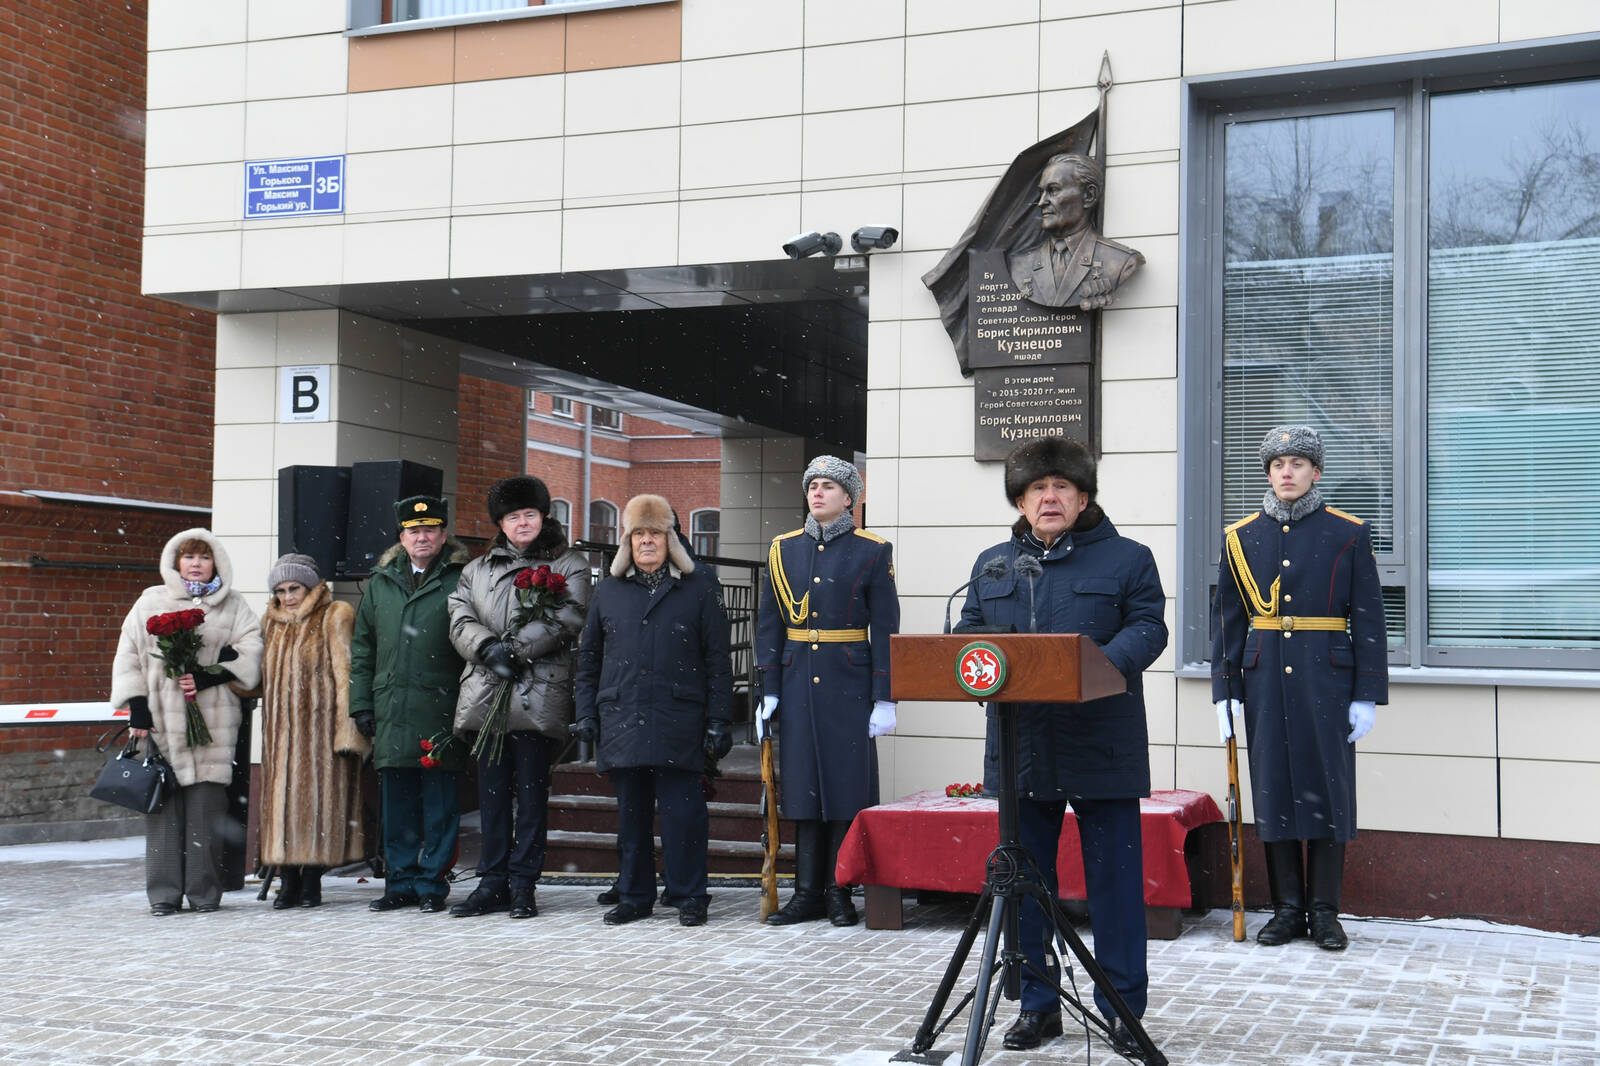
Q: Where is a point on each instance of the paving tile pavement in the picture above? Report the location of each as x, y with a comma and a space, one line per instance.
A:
90, 979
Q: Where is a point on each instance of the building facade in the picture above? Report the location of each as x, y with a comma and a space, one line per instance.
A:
1375, 217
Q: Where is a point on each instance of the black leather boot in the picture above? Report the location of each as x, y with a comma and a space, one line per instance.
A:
841, 909
311, 887
1325, 873
807, 904
1286, 880
289, 888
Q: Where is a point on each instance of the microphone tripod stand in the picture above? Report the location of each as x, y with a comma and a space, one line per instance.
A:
1011, 878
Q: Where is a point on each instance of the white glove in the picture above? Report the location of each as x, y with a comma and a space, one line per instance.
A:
769, 704
1363, 713
882, 720
1227, 710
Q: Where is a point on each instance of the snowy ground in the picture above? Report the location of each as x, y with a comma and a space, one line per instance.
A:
90, 978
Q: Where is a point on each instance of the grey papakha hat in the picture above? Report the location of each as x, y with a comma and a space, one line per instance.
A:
1291, 440
844, 474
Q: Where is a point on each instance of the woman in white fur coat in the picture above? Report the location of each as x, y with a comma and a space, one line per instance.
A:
183, 838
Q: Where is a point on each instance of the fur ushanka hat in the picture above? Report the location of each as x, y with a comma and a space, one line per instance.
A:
649, 512
836, 470
1050, 457
518, 494
1291, 440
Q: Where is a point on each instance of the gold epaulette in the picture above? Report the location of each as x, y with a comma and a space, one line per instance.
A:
1241, 523
791, 533
868, 534
1346, 515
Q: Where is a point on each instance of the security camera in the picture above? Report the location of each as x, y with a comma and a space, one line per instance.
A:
874, 237
813, 244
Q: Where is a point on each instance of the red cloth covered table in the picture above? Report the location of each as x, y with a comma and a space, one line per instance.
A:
934, 842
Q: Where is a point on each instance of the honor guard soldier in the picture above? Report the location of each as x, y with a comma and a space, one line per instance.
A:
828, 607
1310, 682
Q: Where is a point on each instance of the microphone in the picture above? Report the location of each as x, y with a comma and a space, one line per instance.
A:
1031, 567
994, 568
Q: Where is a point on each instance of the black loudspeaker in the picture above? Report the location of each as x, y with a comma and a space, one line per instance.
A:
313, 511
374, 489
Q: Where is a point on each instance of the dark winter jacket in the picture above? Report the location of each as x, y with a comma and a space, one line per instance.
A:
653, 670
1098, 583
826, 689
403, 667
1297, 685
481, 609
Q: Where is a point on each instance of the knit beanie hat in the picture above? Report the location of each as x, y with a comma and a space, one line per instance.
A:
294, 567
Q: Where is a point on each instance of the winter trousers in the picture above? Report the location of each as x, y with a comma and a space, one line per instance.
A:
685, 829
1113, 872
183, 846
514, 845
421, 823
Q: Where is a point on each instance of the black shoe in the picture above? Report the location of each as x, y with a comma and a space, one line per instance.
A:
482, 901
797, 910
206, 908
523, 904
841, 911
623, 913
1122, 1041
692, 914
431, 904
609, 898
161, 910
1032, 1029
393, 901
1326, 931
311, 887
1285, 925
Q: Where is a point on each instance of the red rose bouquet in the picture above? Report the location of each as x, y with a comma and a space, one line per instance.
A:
540, 593
177, 636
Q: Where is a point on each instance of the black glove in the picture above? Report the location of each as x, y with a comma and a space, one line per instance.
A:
139, 713
497, 657
585, 729
718, 740
366, 724
204, 679
227, 654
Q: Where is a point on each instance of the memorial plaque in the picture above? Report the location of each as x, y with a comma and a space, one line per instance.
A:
1014, 404
1004, 329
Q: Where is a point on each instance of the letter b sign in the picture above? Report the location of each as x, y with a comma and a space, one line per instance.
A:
303, 394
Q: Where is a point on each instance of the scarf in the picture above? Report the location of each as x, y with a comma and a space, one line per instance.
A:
651, 579
837, 528
1279, 511
203, 588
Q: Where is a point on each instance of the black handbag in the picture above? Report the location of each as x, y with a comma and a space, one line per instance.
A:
139, 783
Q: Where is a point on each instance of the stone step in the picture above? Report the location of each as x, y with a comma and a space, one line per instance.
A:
598, 814
585, 852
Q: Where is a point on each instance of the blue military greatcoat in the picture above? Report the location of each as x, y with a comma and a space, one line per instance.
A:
822, 646
1298, 679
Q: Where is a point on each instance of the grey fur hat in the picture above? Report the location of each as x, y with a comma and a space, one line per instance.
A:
1050, 457
649, 512
1291, 440
844, 474
293, 567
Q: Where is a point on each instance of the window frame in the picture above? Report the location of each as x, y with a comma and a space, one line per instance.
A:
615, 525
1209, 103
565, 518
695, 533
365, 17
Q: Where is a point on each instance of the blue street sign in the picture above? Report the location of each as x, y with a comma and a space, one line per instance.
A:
277, 187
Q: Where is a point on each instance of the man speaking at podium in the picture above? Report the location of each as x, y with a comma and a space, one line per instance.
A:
1068, 570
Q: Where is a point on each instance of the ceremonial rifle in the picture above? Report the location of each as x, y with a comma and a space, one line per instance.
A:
1235, 813
769, 829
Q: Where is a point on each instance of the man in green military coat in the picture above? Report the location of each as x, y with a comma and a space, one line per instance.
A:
403, 678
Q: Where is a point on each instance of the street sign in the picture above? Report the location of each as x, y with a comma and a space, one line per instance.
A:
274, 188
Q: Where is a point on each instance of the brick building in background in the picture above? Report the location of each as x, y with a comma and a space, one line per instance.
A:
105, 395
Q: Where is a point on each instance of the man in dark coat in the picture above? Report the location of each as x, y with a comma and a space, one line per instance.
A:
404, 674
1310, 682
828, 607
654, 692
1089, 579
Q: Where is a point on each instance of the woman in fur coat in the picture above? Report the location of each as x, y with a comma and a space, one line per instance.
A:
538, 660
183, 838
311, 751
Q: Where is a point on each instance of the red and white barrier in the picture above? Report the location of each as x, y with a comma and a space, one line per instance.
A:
59, 713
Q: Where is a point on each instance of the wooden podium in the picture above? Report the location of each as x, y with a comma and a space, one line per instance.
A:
1007, 669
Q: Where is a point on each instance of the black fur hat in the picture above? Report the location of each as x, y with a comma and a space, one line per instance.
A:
516, 494
1050, 457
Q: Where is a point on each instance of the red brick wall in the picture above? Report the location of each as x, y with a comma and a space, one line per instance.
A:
107, 391
490, 447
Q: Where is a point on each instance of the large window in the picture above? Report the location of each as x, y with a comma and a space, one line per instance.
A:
1413, 271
